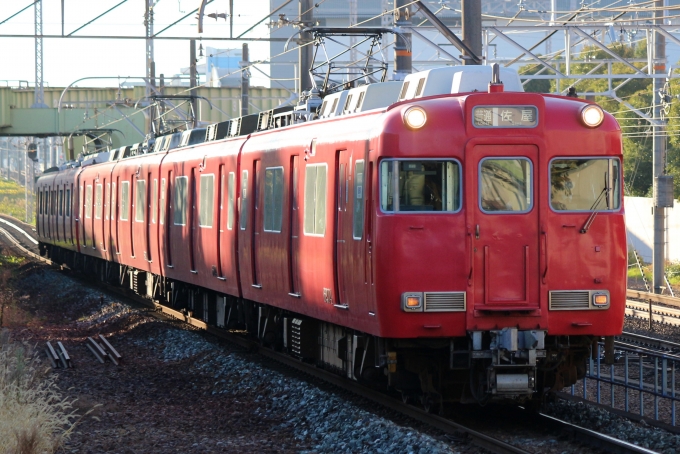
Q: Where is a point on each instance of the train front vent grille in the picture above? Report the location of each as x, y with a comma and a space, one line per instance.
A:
444, 302
566, 300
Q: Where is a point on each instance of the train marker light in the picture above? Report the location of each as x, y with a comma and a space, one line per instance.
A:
592, 115
415, 117
412, 302
600, 299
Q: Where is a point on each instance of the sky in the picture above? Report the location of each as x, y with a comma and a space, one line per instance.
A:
66, 60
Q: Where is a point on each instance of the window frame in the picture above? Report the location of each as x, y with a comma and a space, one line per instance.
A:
325, 201
124, 200
275, 222
140, 205
210, 206
620, 198
185, 205
479, 184
461, 195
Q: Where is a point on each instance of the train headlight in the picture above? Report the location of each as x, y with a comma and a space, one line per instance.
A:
415, 117
412, 302
592, 115
600, 299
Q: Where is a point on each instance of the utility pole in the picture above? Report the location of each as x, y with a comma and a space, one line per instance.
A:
193, 81
150, 63
305, 51
39, 100
471, 13
402, 45
661, 181
245, 81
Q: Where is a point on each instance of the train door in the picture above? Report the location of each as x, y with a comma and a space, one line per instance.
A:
343, 246
294, 219
256, 222
503, 226
192, 222
222, 263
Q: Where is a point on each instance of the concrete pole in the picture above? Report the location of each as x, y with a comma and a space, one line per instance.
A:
402, 48
245, 81
659, 60
193, 80
150, 63
471, 12
305, 53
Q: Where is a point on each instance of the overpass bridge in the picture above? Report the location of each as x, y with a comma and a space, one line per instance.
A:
115, 116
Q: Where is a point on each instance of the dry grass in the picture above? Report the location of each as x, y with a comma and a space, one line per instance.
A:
34, 416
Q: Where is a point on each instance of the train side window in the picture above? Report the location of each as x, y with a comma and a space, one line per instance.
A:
124, 200
113, 201
231, 195
207, 201
61, 202
505, 185
40, 202
88, 201
315, 199
273, 199
162, 214
244, 200
420, 185
180, 201
581, 184
140, 208
98, 202
358, 202
53, 207
154, 201
68, 203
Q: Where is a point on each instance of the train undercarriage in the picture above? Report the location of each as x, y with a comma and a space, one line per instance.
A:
504, 364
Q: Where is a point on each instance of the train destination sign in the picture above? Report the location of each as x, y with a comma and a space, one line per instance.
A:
505, 116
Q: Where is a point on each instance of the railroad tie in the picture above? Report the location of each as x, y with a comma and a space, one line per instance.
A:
97, 350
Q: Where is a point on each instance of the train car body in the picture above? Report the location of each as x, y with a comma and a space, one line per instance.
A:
455, 247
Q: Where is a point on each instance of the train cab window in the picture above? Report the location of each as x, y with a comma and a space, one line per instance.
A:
207, 201
68, 203
180, 201
580, 184
61, 202
124, 200
231, 196
358, 203
315, 199
505, 185
140, 207
99, 206
88, 201
273, 199
244, 200
420, 185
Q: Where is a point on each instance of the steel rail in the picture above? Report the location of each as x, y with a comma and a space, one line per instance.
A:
646, 341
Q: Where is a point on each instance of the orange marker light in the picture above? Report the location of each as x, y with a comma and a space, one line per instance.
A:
600, 300
413, 301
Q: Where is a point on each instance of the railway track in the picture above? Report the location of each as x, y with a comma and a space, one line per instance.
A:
476, 437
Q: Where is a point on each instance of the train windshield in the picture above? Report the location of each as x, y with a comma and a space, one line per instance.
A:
585, 184
420, 185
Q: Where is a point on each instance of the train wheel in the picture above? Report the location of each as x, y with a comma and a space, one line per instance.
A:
407, 397
432, 403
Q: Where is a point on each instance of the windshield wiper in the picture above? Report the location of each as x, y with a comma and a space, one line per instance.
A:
591, 218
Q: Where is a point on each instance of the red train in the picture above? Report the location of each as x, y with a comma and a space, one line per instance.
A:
458, 243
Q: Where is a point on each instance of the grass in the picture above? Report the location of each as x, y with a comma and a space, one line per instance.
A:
672, 272
13, 200
34, 417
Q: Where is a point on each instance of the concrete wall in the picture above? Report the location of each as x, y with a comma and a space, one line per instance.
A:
640, 228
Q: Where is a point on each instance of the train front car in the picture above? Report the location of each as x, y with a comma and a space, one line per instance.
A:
500, 243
